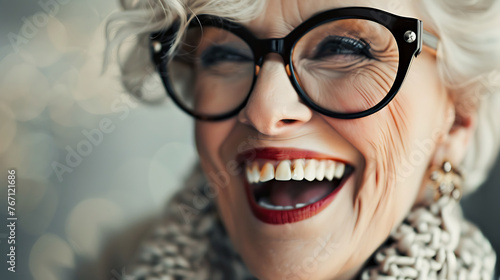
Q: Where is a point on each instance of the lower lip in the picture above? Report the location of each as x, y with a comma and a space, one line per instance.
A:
279, 217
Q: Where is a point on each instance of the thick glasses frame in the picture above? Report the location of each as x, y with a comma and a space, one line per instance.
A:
408, 33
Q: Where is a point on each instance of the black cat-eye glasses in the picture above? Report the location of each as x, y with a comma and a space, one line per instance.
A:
344, 63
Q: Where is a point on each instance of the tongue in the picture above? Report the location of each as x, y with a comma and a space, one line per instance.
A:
290, 193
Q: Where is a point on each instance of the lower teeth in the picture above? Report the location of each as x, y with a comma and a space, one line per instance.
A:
262, 194
264, 202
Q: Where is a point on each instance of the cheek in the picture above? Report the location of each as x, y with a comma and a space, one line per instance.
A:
417, 114
209, 138
397, 144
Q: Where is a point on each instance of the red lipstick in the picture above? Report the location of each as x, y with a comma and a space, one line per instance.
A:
272, 216
281, 154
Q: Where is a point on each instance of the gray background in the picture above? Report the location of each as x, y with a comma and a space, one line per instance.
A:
51, 89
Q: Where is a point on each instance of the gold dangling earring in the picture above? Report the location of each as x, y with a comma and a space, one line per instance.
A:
447, 182
434, 241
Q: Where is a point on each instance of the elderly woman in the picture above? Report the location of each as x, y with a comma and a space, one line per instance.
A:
335, 138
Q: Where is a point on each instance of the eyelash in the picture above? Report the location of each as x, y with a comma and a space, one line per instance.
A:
217, 54
344, 46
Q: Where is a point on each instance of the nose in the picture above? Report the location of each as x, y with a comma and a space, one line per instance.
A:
274, 107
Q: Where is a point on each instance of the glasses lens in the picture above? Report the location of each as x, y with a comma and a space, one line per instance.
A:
211, 73
346, 66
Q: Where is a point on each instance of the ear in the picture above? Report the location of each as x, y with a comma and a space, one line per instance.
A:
457, 134
452, 142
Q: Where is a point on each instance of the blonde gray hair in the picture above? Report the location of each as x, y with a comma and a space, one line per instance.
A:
468, 56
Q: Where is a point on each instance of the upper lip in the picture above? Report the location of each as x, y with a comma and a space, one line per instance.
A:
274, 153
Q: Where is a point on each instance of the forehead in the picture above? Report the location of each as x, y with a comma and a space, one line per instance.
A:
279, 17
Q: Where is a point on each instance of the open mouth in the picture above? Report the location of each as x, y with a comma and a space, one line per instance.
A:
291, 189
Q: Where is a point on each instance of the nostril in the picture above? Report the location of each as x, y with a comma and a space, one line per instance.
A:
288, 121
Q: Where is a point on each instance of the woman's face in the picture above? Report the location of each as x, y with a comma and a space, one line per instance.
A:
325, 229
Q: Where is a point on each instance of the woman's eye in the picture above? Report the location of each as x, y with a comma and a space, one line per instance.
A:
222, 54
337, 45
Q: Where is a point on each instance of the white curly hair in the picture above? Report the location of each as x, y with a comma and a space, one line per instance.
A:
468, 56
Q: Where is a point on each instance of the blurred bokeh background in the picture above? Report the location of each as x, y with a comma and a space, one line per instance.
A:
90, 160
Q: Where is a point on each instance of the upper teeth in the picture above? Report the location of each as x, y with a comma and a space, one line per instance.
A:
298, 169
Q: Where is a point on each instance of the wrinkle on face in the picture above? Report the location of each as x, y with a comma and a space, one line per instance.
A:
278, 25
376, 207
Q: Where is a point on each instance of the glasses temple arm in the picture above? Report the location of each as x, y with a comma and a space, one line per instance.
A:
430, 40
